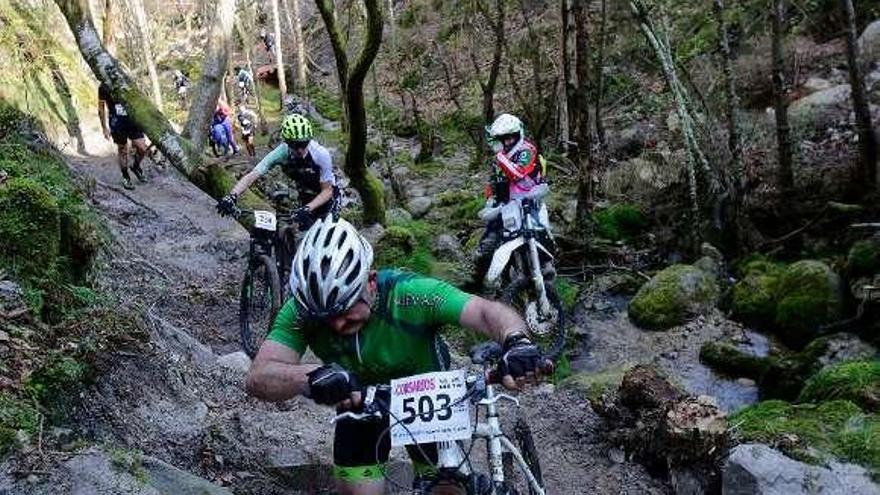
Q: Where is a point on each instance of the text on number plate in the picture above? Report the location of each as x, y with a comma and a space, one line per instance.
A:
264, 220
421, 403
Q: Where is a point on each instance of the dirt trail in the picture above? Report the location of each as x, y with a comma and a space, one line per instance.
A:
178, 265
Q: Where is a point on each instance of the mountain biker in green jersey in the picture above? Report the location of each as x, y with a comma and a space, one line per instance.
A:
306, 162
369, 327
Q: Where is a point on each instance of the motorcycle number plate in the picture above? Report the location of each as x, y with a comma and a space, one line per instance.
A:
511, 216
265, 220
425, 408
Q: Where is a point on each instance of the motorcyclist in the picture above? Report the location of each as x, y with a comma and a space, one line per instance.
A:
369, 327
304, 161
517, 167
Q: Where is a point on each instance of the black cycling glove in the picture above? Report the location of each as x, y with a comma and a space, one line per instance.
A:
520, 356
303, 217
331, 384
226, 206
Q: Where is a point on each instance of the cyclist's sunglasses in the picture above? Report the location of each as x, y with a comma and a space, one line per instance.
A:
299, 145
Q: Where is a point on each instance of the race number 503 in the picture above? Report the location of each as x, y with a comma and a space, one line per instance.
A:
426, 408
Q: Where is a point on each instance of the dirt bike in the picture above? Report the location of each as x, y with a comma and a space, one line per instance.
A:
263, 288
440, 399
523, 266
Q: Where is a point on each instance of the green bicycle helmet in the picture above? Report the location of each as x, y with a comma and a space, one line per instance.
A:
296, 128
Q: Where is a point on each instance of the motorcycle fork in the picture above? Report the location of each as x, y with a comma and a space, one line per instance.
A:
535, 265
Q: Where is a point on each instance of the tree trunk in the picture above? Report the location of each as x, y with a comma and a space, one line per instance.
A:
142, 31
211, 79
583, 131
600, 66
302, 81
279, 63
209, 177
107, 36
497, 53
567, 76
367, 185
867, 141
785, 175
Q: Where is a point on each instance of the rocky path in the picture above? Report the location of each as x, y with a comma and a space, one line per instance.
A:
175, 266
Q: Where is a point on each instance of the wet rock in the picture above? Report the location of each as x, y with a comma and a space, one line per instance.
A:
397, 216
236, 362
756, 469
809, 295
420, 206
843, 347
673, 296
447, 247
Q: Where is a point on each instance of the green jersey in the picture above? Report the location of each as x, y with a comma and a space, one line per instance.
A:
400, 339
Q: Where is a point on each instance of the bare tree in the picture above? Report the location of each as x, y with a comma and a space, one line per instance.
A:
600, 66
210, 177
279, 63
245, 25
867, 140
583, 133
785, 174
301, 81
212, 75
142, 31
352, 84
488, 86
107, 35
566, 86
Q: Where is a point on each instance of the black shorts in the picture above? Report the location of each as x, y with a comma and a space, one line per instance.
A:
356, 456
122, 129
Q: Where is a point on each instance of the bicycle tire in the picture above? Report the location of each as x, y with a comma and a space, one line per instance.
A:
523, 435
257, 308
553, 343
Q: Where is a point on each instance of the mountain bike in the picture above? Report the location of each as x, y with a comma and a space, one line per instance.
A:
523, 266
272, 245
513, 467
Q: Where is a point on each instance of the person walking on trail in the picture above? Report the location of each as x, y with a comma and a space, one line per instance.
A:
305, 162
118, 126
268, 40
247, 122
369, 327
222, 137
517, 167
245, 83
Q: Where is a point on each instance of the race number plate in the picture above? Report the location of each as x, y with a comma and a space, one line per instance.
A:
120, 109
421, 403
265, 220
511, 216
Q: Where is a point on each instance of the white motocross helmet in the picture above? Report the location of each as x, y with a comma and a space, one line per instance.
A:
505, 124
331, 268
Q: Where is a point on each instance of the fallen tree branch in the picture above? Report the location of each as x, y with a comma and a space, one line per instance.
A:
796, 231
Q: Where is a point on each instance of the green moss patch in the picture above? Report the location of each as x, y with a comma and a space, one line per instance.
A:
753, 299
813, 432
16, 415
855, 381
672, 297
809, 295
594, 385
863, 259
620, 222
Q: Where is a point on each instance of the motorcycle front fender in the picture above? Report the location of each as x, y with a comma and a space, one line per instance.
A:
501, 258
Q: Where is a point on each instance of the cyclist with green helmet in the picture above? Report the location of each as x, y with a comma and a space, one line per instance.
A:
302, 159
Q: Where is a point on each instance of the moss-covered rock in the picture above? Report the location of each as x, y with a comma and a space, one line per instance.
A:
813, 432
672, 297
753, 298
732, 361
30, 226
405, 246
809, 295
620, 222
855, 381
863, 258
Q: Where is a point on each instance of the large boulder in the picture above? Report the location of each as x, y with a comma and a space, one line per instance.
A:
822, 108
420, 206
809, 295
869, 45
753, 299
756, 469
673, 296
639, 180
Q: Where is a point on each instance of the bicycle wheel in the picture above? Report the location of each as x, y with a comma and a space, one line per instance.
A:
520, 294
523, 434
260, 300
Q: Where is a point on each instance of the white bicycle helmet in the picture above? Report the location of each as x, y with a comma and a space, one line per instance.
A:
330, 268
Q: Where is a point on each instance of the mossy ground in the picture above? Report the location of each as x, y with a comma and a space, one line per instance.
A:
620, 222
813, 432
855, 381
